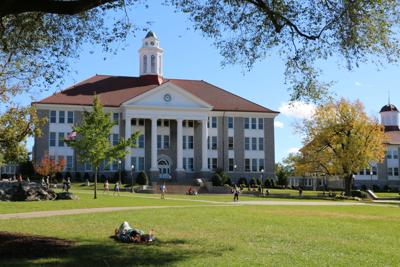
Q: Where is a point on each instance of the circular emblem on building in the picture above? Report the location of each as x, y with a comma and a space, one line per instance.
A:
167, 97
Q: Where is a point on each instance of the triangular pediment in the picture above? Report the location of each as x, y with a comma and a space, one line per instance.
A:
168, 95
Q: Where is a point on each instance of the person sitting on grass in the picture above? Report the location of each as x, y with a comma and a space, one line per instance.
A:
126, 233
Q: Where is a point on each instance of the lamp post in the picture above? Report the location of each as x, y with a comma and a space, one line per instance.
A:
132, 169
262, 181
119, 168
234, 169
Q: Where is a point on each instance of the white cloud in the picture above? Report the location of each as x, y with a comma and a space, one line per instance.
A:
278, 124
357, 83
297, 109
293, 150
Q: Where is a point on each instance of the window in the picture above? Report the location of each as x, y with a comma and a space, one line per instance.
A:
254, 143
166, 141
231, 165
190, 124
214, 164
395, 154
116, 165
134, 163
390, 171
213, 122
159, 141
166, 123
208, 142
253, 123
261, 143
52, 141
254, 165
230, 122
190, 142
115, 139
70, 117
214, 143
61, 139
396, 171
184, 145
144, 64
53, 116
141, 141
106, 165
88, 166
190, 164
230, 143
246, 123
261, 165
153, 63
61, 117
260, 123
246, 143
141, 164
133, 122
246, 165
388, 154
141, 122
116, 118
374, 171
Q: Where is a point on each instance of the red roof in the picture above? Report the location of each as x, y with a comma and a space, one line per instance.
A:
115, 90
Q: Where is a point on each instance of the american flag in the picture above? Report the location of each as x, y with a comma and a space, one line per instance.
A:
70, 136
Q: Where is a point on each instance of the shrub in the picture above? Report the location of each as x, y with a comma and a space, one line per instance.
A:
375, 188
242, 181
228, 181
259, 181
364, 187
78, 176
386, 188
4, 176
267, 183
358, 193
216, 180
142, 178
86, 176
102, 178
59, 176
253, 182
223, 175
68, 174
272, 183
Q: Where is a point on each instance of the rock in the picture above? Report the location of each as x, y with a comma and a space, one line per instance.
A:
66, 195
24, 191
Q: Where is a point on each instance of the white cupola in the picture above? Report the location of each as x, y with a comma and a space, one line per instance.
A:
151, 56
390, 117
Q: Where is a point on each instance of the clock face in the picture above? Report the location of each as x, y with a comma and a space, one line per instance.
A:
167, 98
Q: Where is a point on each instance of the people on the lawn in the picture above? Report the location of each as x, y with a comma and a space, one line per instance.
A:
126, 233
116, 188
106, 186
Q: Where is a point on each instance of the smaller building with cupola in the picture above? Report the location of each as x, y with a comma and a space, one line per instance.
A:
386, 174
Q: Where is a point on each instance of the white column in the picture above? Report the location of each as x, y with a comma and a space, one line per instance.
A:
179, 152
154, 166
204, 150
128, 133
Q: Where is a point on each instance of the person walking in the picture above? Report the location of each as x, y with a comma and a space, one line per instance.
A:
236, 194
116, 188
163, 189
68, 184
106, 186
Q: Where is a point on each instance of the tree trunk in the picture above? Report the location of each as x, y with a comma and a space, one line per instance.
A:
348, 182
95, 182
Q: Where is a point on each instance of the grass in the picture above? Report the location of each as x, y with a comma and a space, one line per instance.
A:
226, 236
388, 194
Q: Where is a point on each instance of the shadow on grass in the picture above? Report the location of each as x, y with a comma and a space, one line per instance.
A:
159, 253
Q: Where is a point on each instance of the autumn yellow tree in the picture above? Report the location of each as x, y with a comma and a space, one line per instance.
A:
340, 139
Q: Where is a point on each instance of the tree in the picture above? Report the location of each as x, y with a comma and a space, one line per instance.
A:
49, 167
339, 140
142, 178
282, 173
15, 125
92, 142
302, 32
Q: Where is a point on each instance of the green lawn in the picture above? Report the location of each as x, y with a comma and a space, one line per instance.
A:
388, 194
226, 236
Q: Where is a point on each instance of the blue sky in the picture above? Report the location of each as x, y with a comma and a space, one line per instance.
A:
188, 55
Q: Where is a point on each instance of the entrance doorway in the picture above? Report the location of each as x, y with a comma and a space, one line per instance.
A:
164, 169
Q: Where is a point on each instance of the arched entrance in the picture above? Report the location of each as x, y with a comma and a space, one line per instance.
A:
164, 168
